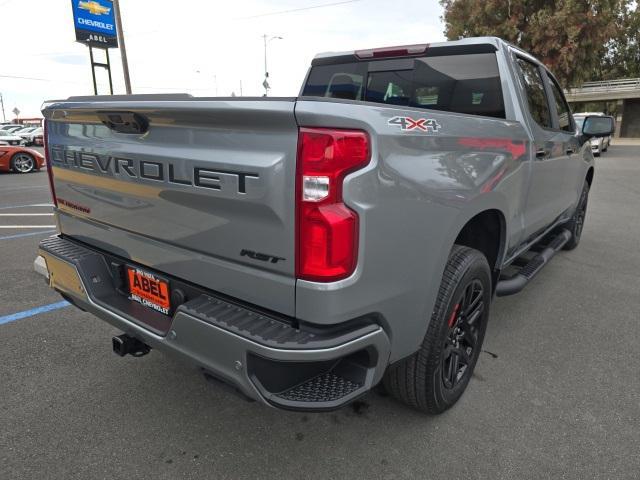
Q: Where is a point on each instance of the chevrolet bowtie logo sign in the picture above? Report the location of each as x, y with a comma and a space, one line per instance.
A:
95, 23
94, 8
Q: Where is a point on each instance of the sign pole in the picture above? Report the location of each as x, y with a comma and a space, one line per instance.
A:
123, 49
93, 71
109, 71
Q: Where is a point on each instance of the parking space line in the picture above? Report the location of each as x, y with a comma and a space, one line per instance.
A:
11, 189
26, 214
27, 226
30, 234
25, 206
33, 311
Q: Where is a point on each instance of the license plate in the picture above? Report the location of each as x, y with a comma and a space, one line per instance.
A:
149, 290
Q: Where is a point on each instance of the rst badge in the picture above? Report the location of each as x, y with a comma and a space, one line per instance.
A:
418, 124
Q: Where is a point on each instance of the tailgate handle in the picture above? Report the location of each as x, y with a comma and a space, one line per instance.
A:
125, 122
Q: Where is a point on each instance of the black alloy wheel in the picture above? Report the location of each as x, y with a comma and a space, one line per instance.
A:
461, 343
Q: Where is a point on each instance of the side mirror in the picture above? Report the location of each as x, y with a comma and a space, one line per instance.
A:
598, 126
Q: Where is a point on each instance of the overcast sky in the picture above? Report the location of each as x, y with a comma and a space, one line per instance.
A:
203, 47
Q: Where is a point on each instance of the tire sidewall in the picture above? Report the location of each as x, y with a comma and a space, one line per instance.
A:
576, 232
477, 267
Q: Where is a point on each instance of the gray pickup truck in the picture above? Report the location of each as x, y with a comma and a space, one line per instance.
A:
303, 250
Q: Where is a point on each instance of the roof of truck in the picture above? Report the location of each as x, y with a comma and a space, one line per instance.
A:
456, 47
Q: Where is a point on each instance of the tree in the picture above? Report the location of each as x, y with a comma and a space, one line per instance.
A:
622, 58
571, 37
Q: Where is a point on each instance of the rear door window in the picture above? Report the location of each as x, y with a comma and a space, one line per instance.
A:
467, 83
536, 96
564, 114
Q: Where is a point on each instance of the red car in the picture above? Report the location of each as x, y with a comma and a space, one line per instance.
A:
20, 159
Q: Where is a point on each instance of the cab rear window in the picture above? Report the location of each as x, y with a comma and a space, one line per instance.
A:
454, 83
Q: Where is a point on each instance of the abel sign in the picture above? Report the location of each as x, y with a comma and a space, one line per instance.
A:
94, 22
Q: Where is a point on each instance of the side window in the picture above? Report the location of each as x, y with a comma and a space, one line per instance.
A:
536, 97
564, 114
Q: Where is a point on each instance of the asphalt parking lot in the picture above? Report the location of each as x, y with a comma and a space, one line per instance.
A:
556, 393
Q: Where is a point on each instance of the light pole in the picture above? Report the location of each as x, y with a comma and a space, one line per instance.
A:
123, 48
265, 84
4, 118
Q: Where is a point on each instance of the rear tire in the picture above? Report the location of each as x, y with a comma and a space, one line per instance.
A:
435, 377
576, 224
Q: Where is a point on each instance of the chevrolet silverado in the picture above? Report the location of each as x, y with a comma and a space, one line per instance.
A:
304, 250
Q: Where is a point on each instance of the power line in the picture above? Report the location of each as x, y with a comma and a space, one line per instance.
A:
145, 87
293, 10
268, 14
19, 77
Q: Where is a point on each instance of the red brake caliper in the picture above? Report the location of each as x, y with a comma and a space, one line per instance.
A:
454, 314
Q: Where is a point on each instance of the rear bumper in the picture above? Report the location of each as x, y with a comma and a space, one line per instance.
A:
268, 359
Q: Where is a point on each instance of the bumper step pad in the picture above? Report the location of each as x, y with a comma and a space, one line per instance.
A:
327, 387
264, 329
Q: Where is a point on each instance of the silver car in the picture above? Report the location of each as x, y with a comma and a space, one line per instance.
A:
598, 145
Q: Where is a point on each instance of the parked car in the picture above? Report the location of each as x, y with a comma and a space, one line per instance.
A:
305, 249
11, 139
30, 135
23, 131
14, 128
598, 145
38, 139
20, 159
11, 126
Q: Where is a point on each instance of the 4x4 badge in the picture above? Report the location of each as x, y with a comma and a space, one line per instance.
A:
419, 124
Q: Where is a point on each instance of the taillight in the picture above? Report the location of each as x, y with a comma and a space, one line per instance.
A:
327, 230
47, 158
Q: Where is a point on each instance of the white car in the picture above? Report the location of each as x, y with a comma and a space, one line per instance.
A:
11, 139
29, 134
598, 145
10, 126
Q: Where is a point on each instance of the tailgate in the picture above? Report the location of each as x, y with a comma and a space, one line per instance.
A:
205, 192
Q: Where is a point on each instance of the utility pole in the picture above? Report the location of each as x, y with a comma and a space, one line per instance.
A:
4, 118
265, 84
123, 48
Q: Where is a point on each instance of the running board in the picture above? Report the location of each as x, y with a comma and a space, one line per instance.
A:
515, 283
